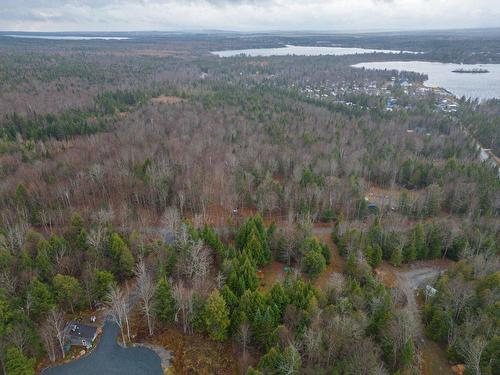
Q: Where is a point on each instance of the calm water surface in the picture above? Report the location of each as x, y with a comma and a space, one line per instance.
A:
66, 37
479, 85
302, 51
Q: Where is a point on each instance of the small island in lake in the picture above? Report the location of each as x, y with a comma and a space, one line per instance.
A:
473, 71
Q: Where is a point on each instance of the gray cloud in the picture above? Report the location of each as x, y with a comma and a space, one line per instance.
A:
86, 15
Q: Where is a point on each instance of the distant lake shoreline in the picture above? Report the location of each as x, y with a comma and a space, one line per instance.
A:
291, 50
65, 37
481, 86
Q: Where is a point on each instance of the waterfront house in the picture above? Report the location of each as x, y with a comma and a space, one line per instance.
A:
78, 334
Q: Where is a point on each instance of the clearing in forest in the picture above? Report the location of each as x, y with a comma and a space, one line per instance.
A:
165, 99
408, 279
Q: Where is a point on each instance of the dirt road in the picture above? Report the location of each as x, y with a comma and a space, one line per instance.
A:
409, 281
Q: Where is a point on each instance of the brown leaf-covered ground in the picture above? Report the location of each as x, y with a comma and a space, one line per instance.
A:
196, 354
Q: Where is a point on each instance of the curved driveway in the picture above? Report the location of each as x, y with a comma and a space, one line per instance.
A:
110, 358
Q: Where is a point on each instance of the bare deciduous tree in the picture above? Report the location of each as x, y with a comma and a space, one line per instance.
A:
171, 219
55, 320
184, 302
290, 364
194, 258
401, 330
146, 290
472, 350
119, 310
244, 336
46, 334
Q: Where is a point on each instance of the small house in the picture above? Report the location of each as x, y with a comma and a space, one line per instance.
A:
429, 292
78, 334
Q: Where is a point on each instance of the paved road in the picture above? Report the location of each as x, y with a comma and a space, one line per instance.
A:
110, 358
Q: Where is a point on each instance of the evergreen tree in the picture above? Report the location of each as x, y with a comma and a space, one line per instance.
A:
410, 250
352, 264
43, 260
368, 253
263, 326
123, 261
216, 316
59, 245
242, 276
375, 234
229, 297
259, 248
67, 290
41, 298
81, 241
420, 244
396, 257
16, 363
101, 284
379, 319
250, 303
313, 263
435, 247
278, 297
252, 371
164, 303
5, 314
76, 225
6, 258
408, 355
126, 262
21, 196
271, 361
254, 249
326, 252
437, 328
211, 239
458, 246
376, 256
299, 293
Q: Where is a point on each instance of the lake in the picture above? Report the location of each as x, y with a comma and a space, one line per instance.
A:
471, 85
111, 359
66, 37
303, 51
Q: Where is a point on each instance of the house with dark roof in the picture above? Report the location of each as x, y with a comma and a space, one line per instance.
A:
78, 334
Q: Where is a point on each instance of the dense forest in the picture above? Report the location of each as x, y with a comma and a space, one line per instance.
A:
253, 214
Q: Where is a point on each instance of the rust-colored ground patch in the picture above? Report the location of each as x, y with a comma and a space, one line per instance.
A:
271, 274
386, 273
164, 99
196, 354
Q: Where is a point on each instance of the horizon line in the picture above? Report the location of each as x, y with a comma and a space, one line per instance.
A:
261, 31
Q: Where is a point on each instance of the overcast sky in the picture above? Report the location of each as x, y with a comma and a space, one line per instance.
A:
246, 15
